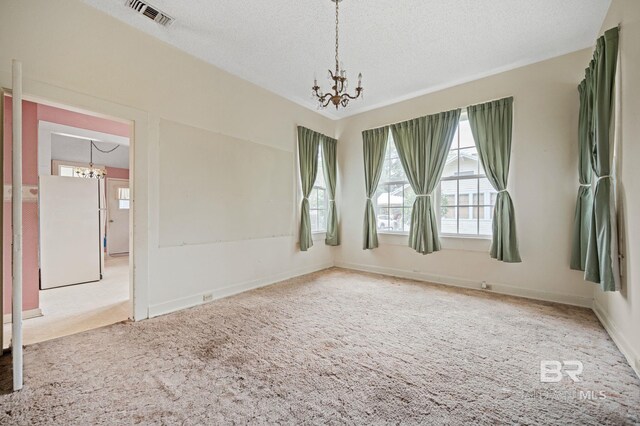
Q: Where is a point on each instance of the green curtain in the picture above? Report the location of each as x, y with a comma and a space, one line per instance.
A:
329, 166
374, 143
582, 218
423, 145
602, 250
308, 143
491, 126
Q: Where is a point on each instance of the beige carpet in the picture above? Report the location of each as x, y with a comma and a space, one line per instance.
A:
333, 347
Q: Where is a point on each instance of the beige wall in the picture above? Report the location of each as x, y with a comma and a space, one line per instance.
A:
76, 54
620, 312
83, 56
543, 183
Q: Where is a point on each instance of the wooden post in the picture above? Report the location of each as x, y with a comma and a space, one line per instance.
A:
16, 200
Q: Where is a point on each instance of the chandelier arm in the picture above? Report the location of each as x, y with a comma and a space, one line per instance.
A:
325, 96
346, 95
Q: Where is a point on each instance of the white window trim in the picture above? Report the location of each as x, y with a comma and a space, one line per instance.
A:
403, 235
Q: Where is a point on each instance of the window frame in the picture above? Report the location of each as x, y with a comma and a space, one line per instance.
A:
438, 195
381, 183
317, 188
478, 177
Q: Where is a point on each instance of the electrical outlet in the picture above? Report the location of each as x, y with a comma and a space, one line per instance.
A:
485, 286
207, 297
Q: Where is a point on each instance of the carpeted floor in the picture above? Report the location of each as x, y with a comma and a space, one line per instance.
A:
332, 347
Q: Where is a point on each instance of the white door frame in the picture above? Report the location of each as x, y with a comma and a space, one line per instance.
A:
139, 167
106, 190
16, 226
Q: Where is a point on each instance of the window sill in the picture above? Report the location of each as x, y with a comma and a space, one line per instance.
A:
449, 242
318, 236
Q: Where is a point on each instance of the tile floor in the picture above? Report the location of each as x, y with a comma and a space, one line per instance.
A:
77, 308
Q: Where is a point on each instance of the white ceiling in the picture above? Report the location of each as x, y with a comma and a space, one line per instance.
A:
404, 48
76, 149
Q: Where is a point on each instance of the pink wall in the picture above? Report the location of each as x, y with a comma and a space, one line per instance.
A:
117, 173
31, 114
82, 121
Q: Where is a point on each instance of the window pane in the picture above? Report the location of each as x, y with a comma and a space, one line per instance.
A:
478, 199
448, 191
314, 220
464, 212
322, 202
466, 137
322, 220
320, 173
395, 219
382, 196
384, 222
409, 196
468, 220
313, 199
406, 220
485, 212
396, 195
488, 191
448, 224
396, 172
391, 147
468, 188
454, 143
66, 171
486, 220
451, 166
320, 177
123, 204
469, 162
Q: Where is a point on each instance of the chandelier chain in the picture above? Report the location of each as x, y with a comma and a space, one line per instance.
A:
104, 151
337, 44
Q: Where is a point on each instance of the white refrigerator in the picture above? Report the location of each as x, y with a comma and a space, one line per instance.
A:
70, 246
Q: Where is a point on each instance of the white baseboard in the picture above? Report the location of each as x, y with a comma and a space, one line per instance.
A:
618, 338
31, 313
585, 302
219, 293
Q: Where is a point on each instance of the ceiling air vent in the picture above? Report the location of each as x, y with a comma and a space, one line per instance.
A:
150, 12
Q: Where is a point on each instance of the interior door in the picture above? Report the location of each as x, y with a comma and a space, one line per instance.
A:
69, 231
118, 205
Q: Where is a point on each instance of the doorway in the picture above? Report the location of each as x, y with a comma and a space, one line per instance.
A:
118, 208
80, 283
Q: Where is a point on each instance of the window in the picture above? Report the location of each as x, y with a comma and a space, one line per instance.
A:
466, 196
72, 169
318, 200
394, 197
123, 198
66, 171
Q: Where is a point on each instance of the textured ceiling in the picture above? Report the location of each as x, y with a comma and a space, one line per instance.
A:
403, 48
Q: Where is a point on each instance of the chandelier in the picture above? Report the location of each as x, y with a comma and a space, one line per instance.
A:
92, 172
338, 94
